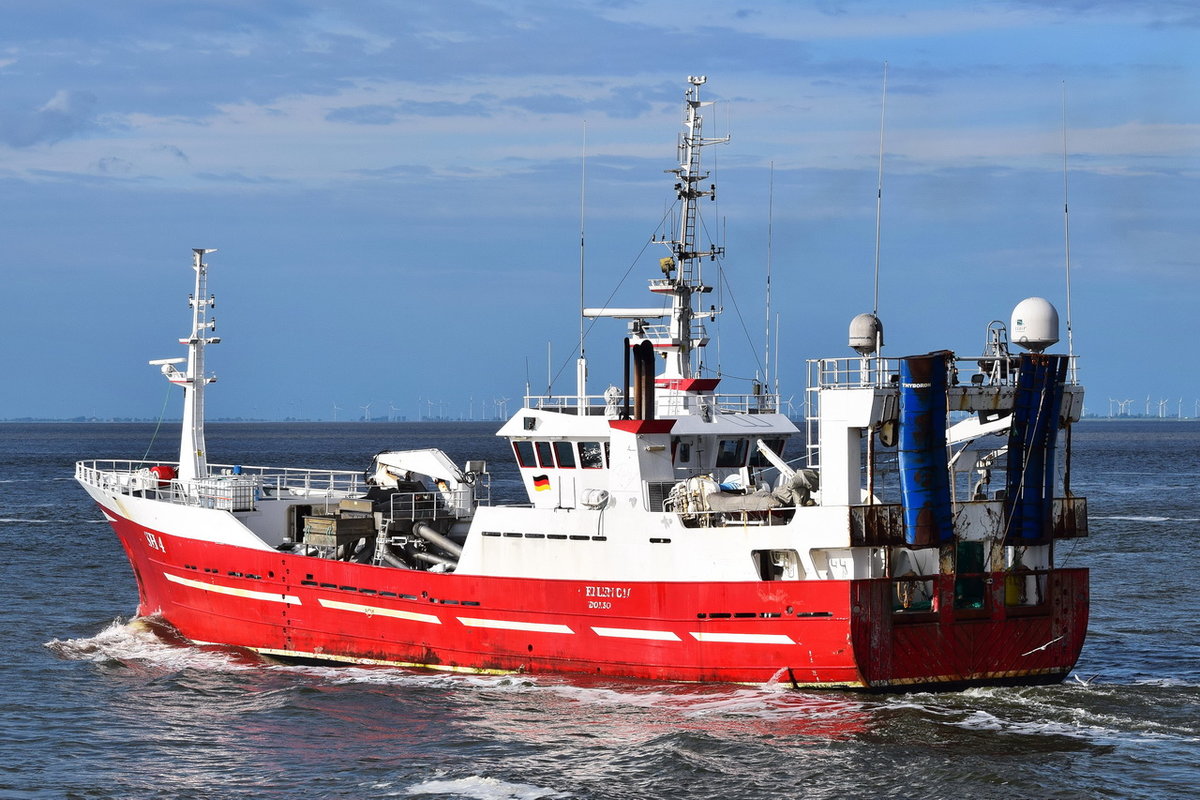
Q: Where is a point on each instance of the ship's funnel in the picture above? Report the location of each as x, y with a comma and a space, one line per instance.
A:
643, 380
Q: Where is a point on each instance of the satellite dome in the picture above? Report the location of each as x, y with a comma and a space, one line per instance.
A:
1034, 324
866, 333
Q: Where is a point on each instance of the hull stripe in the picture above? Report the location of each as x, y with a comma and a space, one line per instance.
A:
743, 638
513, 625
371, 611
633, 633
232, 590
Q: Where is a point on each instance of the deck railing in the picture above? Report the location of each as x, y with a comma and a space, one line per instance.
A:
856, 372
666, 405
232, 487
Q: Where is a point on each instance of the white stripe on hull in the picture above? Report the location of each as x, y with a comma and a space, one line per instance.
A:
635, 633
371, 611
217, 588
743, 638
513, 625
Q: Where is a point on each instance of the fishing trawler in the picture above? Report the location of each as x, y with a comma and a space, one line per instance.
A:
903, 537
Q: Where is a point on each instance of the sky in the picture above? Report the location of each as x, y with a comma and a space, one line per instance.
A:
397, 190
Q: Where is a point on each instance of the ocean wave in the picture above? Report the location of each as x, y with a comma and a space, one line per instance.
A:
147, 641
481, 788
1084, 710
770, 704
986, 721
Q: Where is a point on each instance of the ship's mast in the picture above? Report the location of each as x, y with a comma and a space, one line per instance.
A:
192, 461
681, 340
684, 279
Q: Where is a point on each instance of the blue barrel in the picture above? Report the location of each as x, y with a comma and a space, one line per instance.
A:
924, 474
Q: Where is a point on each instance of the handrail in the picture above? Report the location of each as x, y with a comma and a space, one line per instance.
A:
873, 371
678, 404
229, 487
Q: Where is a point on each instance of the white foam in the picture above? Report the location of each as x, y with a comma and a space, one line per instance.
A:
143, 641
482, 788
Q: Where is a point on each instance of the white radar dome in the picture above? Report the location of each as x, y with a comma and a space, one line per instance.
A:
866, 333
1034, 324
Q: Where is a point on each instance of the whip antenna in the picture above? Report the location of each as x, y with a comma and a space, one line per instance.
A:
1067, 241
581, 363
879, 189
770, 223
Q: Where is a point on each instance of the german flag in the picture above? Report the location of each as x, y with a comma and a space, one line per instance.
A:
541, 483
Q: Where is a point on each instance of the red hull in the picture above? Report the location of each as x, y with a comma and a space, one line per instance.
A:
807, 633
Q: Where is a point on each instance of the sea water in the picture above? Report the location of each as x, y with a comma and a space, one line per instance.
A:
94, 704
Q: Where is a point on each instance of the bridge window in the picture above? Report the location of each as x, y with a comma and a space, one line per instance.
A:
757, 459
565, 453
731, 453
590, 455
524, 452
545, 455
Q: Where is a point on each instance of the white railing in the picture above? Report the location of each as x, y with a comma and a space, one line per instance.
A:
667, 404
872, 371
592, 405
457, 503
227, 486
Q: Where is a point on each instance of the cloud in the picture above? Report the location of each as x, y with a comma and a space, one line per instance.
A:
364, 115
172, 150
548, 103
475, 107
111, 165
386, 114
65, 114
232, 176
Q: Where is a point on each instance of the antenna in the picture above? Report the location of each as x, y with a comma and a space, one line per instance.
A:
776, 355
582, 201
1067, 242
581, 364
770, 223
879, 189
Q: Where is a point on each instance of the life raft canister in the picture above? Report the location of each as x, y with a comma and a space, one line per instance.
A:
164, 472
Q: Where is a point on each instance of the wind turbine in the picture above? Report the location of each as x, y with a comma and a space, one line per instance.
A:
336, 408
366, 412
502, 404
392, 411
